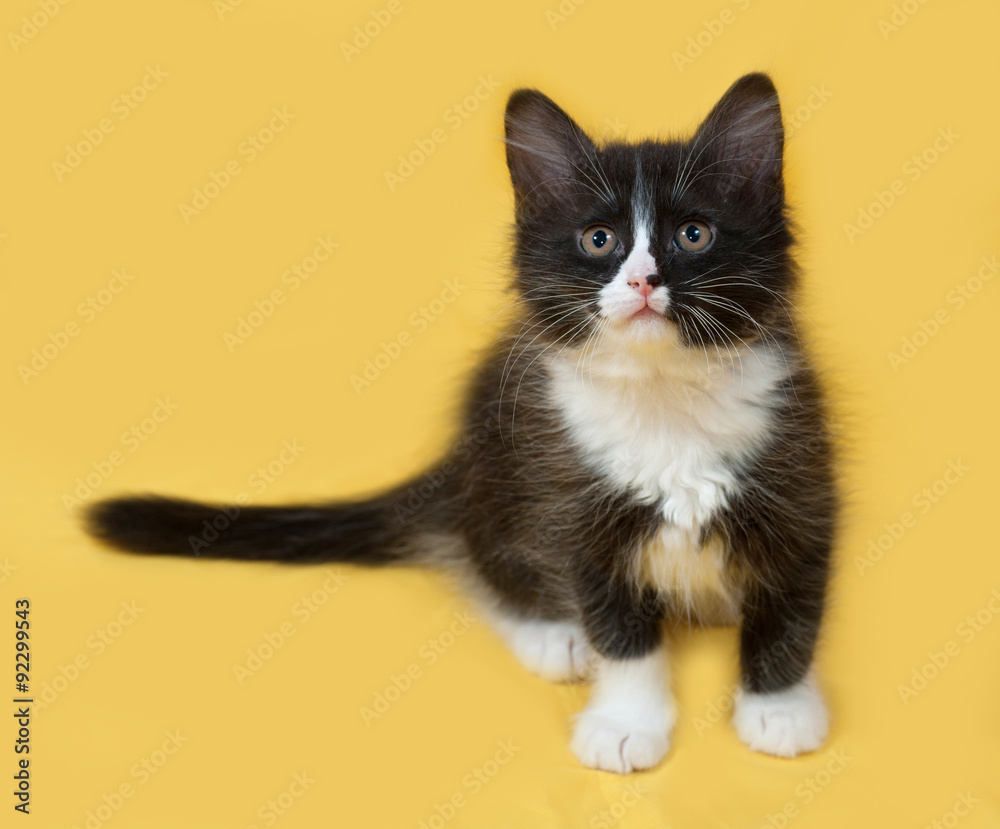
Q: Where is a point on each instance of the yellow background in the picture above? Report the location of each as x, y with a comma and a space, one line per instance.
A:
868, 98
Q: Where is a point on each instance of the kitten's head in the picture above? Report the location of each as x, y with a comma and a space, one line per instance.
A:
639, 244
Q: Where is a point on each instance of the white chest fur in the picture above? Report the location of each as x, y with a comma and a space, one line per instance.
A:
669, 427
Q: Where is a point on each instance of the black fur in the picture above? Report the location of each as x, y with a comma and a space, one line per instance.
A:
515, 505
363, 532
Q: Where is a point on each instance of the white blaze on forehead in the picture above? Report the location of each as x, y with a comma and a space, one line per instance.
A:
618, 299
640, 262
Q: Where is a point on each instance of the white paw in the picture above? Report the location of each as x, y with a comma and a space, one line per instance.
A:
557, 651
785, 723
604, 741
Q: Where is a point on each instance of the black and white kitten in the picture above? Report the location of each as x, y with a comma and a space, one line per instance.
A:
647, 443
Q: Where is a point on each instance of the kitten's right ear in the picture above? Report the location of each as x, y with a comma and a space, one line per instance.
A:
741, 141
545, 151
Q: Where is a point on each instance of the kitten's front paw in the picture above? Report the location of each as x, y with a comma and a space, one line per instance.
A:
604, 741
785, 723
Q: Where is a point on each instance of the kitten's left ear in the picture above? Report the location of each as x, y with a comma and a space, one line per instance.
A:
742, 138
546, 152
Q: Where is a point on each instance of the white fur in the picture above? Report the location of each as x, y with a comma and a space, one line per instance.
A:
662, 424
626, 725
667, 425
557, 651
619, 299
785, 723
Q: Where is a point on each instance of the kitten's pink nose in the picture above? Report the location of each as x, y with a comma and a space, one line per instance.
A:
646, 284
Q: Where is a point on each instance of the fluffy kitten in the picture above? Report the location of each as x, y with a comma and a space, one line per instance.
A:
647, 443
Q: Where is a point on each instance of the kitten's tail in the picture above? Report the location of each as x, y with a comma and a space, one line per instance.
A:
392, 528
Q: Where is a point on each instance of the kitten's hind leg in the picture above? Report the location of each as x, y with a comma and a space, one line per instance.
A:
555, 650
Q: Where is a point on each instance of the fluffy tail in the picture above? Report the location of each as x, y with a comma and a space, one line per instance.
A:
383, 530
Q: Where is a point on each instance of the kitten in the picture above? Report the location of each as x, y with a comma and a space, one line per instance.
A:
647, 443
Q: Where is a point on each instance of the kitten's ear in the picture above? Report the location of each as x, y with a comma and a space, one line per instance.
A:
545, 151
742, 139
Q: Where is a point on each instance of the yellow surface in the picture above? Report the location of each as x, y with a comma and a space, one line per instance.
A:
866, 86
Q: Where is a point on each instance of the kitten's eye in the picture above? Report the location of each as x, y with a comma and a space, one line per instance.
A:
599, 240
693, 236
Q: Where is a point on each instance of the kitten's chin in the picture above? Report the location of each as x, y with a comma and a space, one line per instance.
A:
643, 329
646, 313
636, 348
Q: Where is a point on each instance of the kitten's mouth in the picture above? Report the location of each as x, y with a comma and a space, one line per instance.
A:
646, 313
